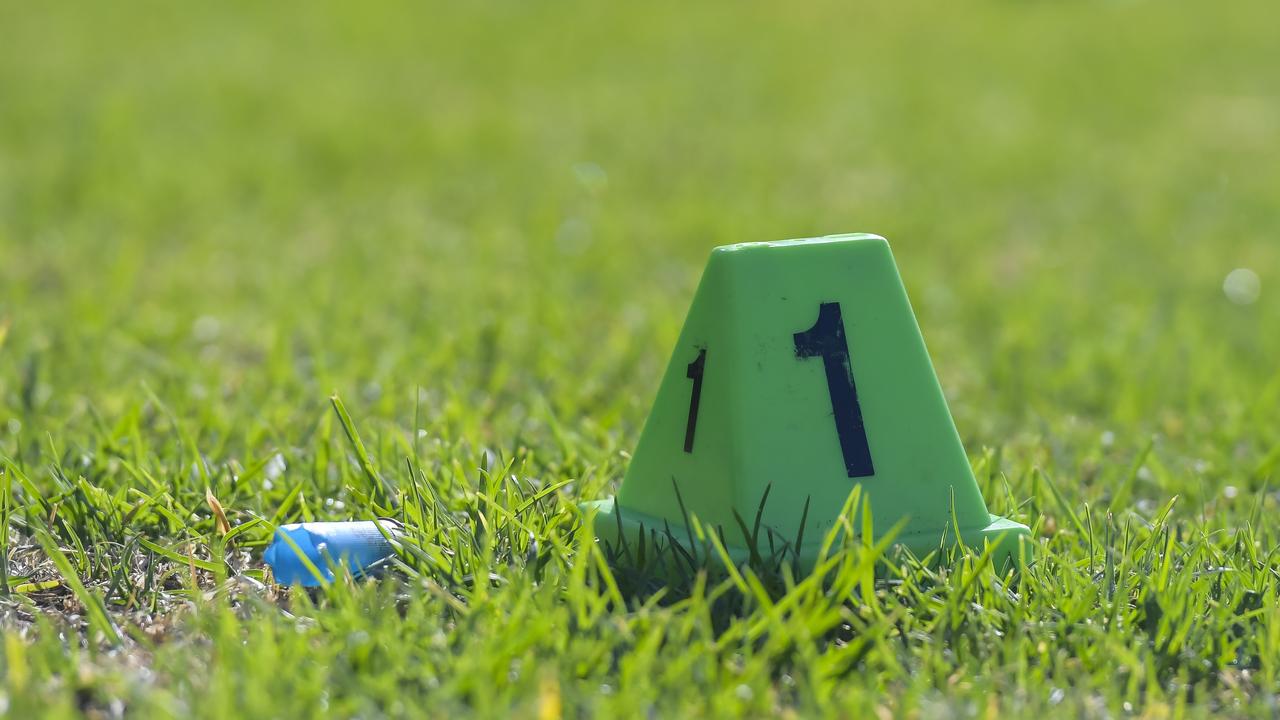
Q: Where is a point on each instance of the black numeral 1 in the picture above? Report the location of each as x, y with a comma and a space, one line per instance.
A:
826, 340
695, 374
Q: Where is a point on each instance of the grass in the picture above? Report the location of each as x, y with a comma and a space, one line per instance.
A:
479, 227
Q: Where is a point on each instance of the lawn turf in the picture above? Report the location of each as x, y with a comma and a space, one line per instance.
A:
479, 225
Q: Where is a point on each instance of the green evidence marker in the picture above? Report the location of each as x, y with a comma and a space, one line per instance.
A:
801, 370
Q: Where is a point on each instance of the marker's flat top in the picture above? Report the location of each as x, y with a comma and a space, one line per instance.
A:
824, 240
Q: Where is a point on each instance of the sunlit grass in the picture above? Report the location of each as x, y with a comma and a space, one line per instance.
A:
427, 262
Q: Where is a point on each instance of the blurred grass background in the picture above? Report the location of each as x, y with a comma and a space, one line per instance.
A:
403, 195
486, 221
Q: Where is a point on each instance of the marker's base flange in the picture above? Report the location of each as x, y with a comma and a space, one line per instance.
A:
1011, 540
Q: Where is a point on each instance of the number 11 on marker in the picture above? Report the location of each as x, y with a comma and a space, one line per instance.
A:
826, 340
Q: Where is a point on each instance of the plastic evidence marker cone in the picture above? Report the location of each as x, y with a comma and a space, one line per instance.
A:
801, 370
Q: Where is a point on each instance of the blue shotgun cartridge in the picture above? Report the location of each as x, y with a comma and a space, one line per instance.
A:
356, 546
